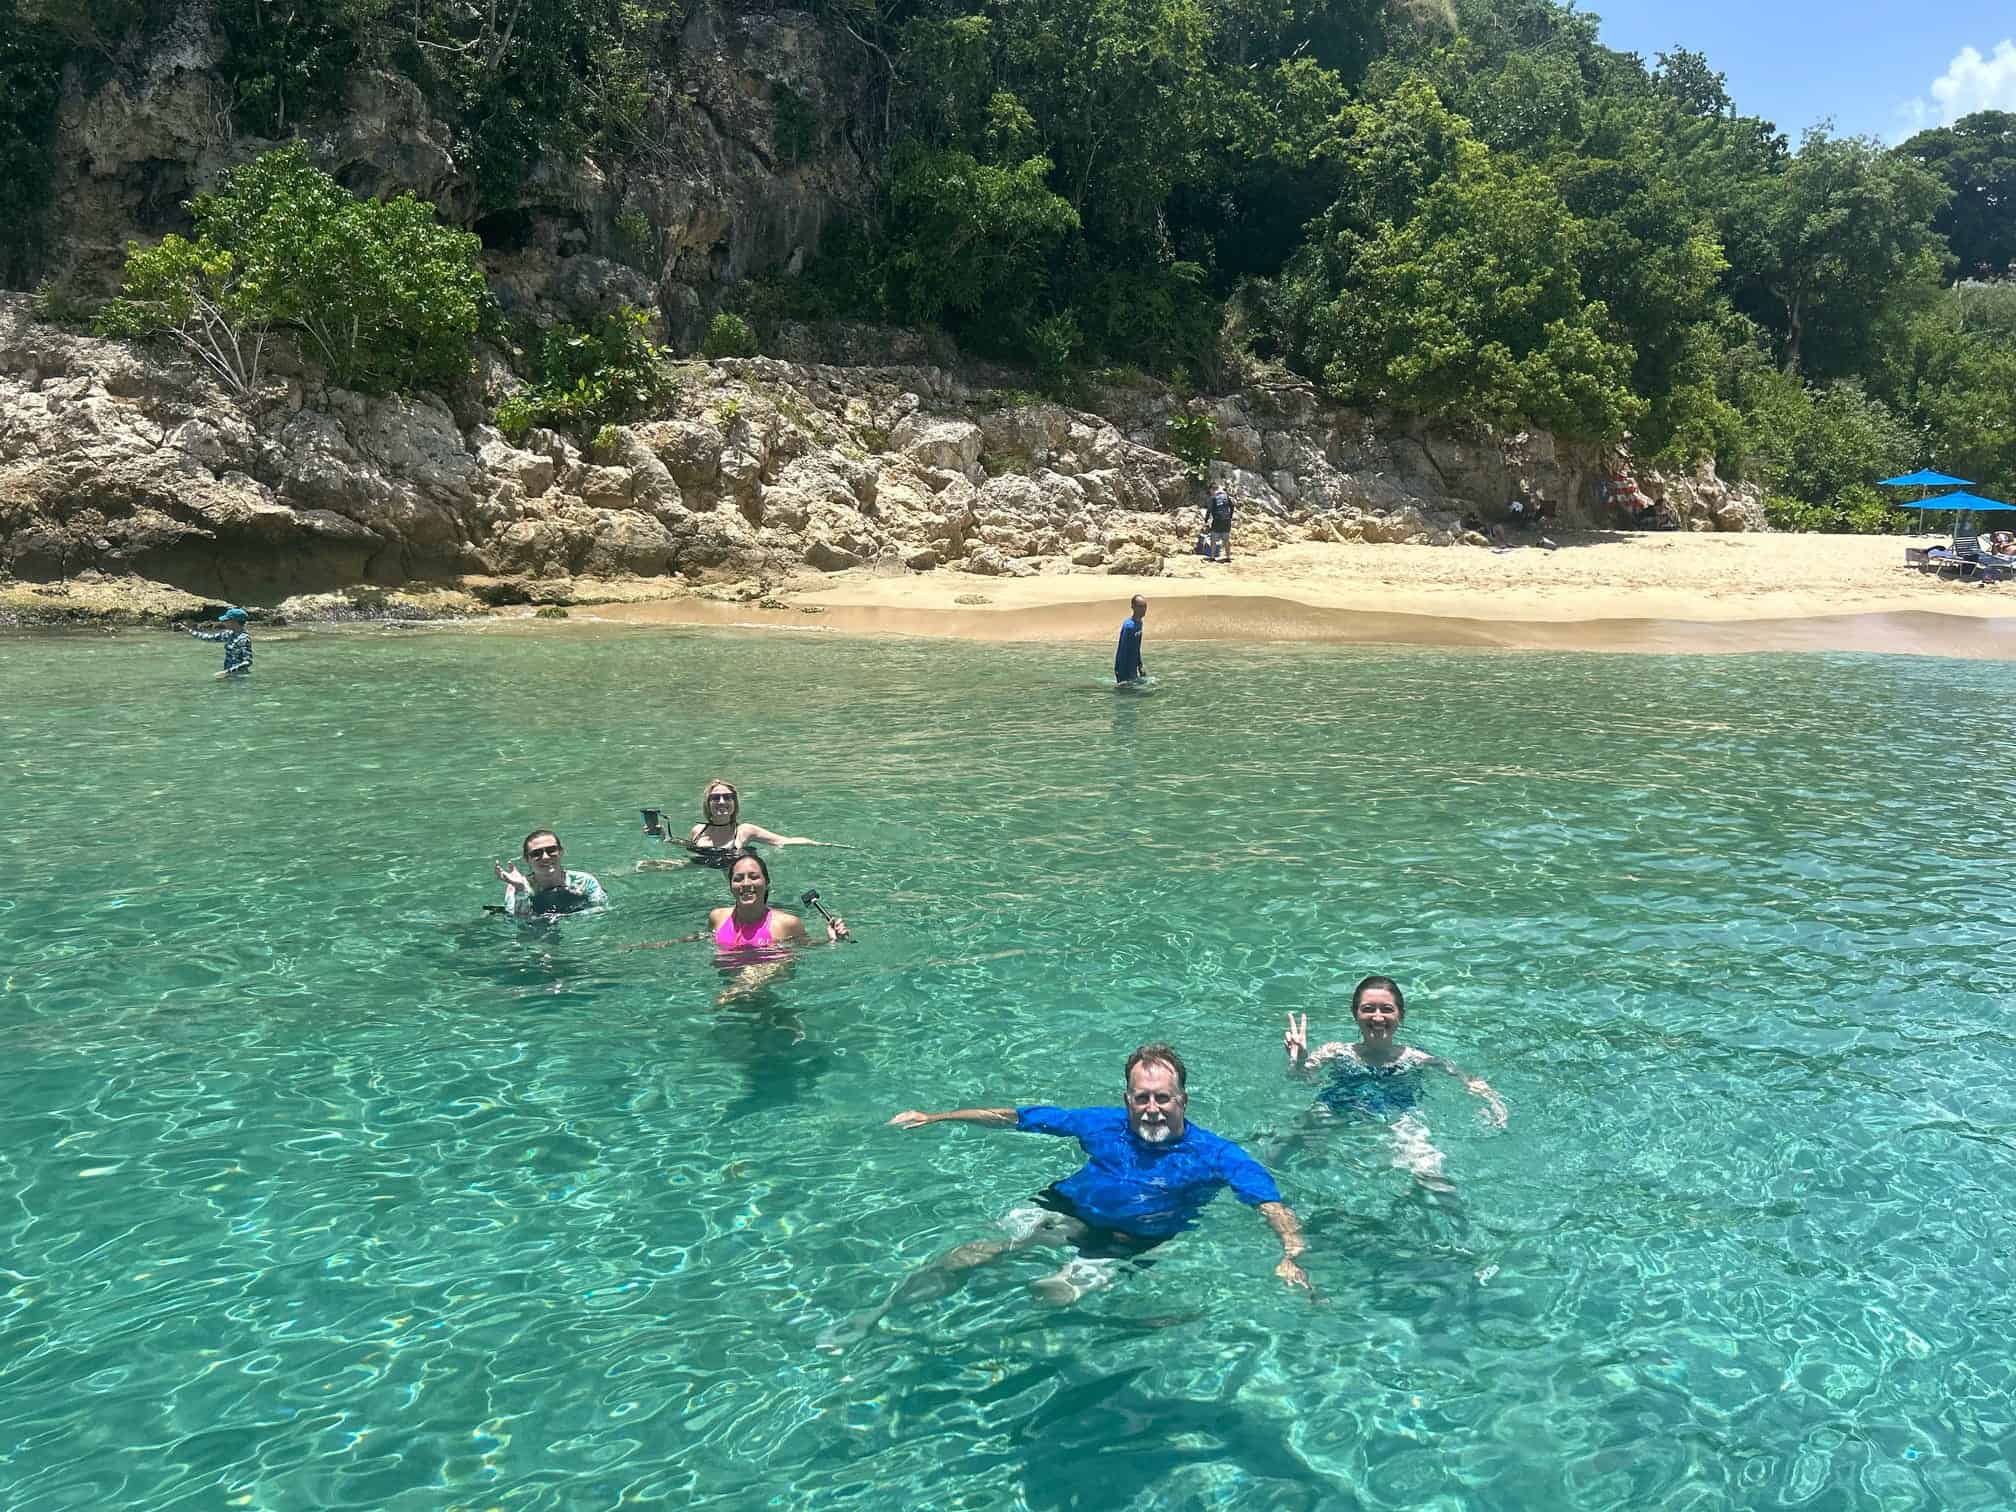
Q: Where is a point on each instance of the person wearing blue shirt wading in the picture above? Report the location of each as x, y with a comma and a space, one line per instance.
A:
237, 644
1148, 1172
1127, 666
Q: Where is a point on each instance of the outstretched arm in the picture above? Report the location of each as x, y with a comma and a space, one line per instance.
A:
750, 833
1476, 1086
993, 1118
1288, 1229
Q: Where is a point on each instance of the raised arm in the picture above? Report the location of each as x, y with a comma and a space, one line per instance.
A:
993, 1118
1288, 1229
1296, 1043
517, 891
1476, 1086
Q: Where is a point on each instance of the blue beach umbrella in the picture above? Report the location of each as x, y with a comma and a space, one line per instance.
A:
1966, 504
1924, 478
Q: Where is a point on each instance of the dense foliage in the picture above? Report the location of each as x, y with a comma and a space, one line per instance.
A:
583, 380
1460, 207
379, 292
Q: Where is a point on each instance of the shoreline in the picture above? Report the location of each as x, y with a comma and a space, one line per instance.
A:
1616, 592
1619, 592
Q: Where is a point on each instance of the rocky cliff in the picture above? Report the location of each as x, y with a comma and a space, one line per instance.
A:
117, 460
705, 196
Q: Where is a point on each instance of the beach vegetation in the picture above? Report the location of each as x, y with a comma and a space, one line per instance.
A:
587, 379
1471, 209
728, 335
379, 292
1193, 441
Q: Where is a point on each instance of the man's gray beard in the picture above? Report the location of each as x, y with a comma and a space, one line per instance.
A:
1156, 1133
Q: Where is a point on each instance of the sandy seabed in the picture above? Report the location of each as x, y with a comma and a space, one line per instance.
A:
1600, 591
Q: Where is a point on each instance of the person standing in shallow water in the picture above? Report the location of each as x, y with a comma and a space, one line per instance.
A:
237, 644
1127, 666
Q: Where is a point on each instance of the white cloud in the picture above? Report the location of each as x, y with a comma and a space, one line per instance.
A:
1971, 82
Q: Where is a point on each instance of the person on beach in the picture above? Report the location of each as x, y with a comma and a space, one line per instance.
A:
551, 889
1376, 1076
1218, 525
721, 835
1127, 668
1148, 1174
237, 643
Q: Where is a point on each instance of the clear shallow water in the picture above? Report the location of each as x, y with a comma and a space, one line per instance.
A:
323, 1190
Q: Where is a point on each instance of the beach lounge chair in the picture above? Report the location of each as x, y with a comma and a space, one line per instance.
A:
1967, 559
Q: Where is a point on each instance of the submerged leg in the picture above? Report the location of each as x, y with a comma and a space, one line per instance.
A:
1030, 1227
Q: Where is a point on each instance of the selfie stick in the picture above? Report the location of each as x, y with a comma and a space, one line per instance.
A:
810, 899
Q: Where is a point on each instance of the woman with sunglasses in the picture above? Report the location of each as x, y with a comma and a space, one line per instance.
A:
721, 835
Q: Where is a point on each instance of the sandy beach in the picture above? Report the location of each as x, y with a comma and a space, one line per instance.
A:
1607, 591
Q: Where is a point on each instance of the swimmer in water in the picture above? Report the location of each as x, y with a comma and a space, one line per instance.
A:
753, 937
1147, 1176
551, 889
1378, 1009
1375, 1077
721, 835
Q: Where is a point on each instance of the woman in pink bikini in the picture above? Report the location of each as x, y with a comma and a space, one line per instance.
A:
751, 924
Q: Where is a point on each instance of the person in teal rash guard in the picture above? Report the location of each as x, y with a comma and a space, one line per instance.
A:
237, 644
1147, 1175
1127, 666
551, 889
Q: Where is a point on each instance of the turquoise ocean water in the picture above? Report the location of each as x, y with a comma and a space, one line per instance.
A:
323, 1190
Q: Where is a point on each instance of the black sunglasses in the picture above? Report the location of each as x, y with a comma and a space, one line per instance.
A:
539, 852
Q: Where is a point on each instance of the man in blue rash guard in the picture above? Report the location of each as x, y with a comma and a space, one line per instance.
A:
1127, 666
1147, 1175
237, 644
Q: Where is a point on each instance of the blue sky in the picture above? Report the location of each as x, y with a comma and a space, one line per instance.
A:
1877, 67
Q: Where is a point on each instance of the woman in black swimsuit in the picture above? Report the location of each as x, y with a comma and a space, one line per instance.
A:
721, 835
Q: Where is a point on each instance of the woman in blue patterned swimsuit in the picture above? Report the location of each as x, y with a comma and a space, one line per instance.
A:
1377, 1076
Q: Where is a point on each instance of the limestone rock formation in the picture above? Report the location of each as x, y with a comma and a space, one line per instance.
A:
118, 460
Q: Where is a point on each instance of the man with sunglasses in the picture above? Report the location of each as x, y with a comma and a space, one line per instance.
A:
551, 889
1148, 1173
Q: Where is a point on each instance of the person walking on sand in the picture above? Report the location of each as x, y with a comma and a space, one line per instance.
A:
1218, 525
1127, 668
237, 644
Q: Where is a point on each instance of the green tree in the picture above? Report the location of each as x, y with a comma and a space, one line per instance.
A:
287, 59
970, 237
379, 292
1830, 239
1447, 283
31, 77
1975, 157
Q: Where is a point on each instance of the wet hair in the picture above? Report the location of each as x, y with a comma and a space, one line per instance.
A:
750, 855
1358, 993
525, 845
1157, 1055
720, 782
